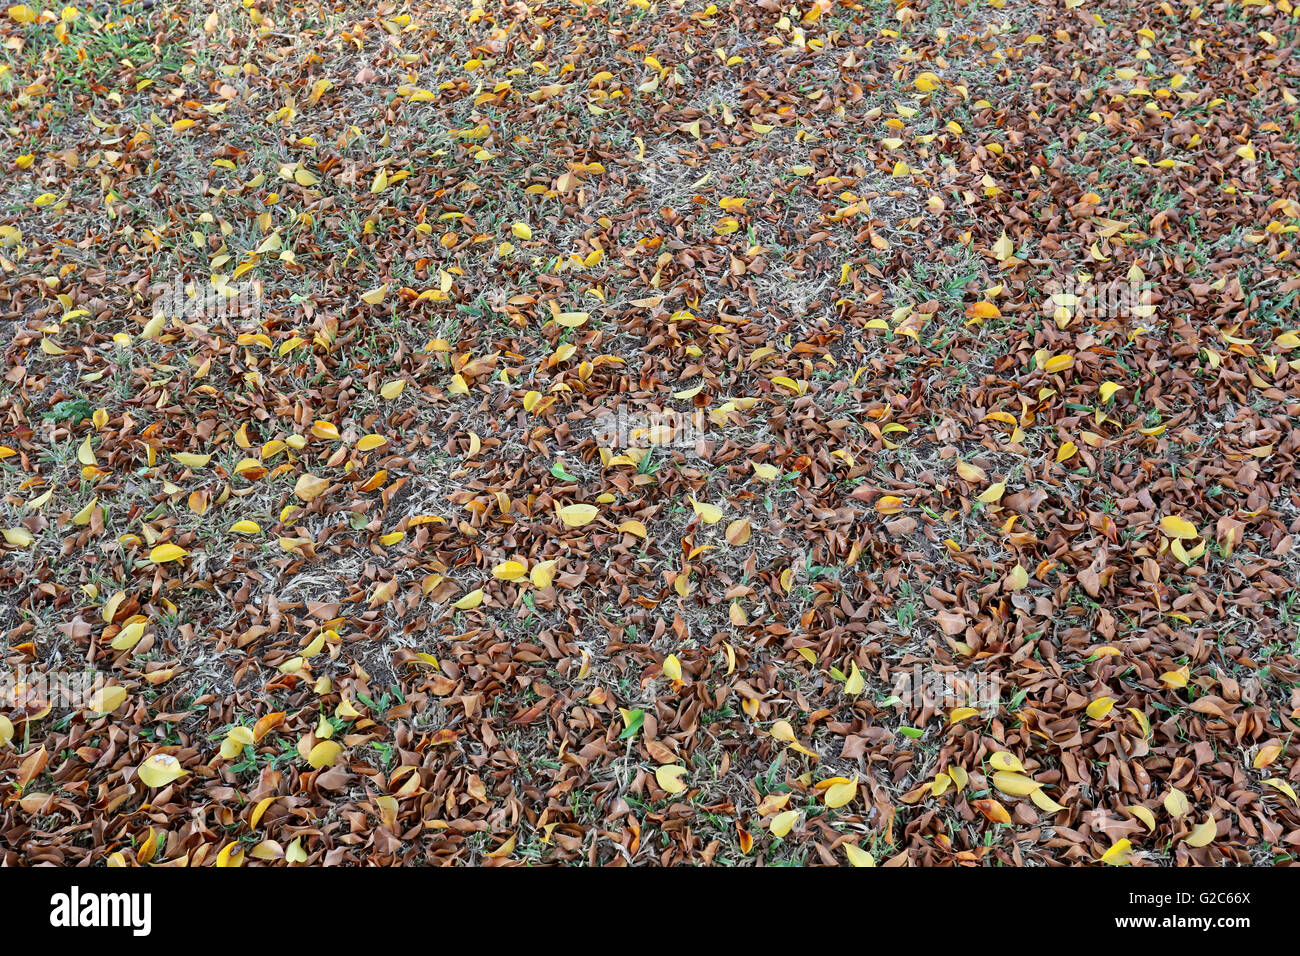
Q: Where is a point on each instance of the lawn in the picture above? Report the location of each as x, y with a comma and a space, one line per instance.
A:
644, 433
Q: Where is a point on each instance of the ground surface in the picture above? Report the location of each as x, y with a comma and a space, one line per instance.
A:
628, 433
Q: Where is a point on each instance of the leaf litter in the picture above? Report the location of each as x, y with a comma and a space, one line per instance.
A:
646, 433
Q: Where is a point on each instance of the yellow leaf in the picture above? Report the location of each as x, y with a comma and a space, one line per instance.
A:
520, 230
855, 683
575, 516
295, 853
1176, 679
1100, 707
236, 740
1003, 248
107, 699
1176, 803
1177, 527
308, 487
782, 823
1203, 834
1044, 802
1142, 721
1017, 578
1146, 816
190, 460
375, 296
542, 574
672, 668
1015, 784
1107, 390
738, 532
245, 527
1266, 755
1006, 762
1118, 855
782, 731
470, 601
634, 527
392, 389
669, 777
962, 713
926, 82
324, 754
18, 537
509, 571
505, 849
841, 794
167, 552
890, 504
993, 493
858, 856
709, 514
160, 770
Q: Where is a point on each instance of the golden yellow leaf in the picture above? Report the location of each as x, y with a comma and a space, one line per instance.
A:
1100, 707
1266, 755
1118, 855
1044, 802
1177, 527
782, 823
669, 777
470, 601
857, 856
1146, 816
1203, 834
510, 571
672, 668
1007, 762
1015, 784
308, 487
324, 754
855, 683
926, 82
107, 699
18, 537
841, 794
167, 552
542, 574
1176, 679
575, 516
160, 770
709, 514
